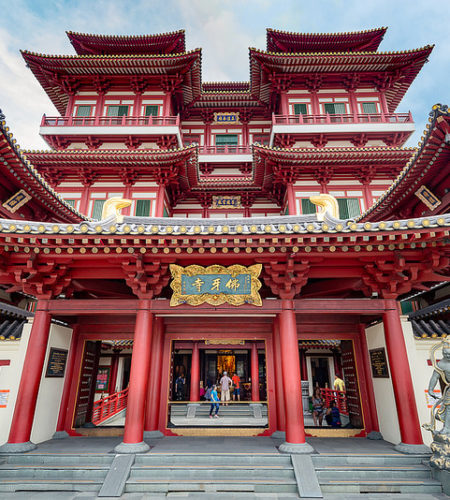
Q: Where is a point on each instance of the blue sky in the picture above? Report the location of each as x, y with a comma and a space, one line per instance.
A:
223, 29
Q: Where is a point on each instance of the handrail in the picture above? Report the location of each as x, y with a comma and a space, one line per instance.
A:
339, 397
108, 407
110, 121
344, 118
226, 149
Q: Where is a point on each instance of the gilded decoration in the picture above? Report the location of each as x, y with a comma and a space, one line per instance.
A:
226, 201
215, 285
226, 117
16, 201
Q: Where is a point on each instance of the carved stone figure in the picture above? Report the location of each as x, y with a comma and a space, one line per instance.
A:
441, 408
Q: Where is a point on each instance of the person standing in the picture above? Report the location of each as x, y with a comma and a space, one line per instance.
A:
225, 384
318, 407
180, 388
237, 387
339, 384
214, 403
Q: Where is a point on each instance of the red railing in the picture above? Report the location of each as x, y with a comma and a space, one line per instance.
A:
110, 121
339, 397
347, 118
224, 150
108, 407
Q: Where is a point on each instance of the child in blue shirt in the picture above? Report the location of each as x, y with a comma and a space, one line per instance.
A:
214, 402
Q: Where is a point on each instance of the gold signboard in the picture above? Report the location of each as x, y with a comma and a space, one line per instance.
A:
215, 285
16, 201
226, 201
226, 117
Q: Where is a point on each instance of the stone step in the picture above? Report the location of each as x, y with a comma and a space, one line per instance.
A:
212, 459
381, 460
373, 473
61, 484
381, 486
69, 473
59, 459
216, 485
208, 473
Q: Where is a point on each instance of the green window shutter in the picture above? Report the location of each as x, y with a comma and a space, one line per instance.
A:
117, 110
335, 108
98, 209
226, 140
84, 111
406, 307
142, 208
343, 208
329, 108
300, 109
151, 110
308, 207
70, 202
353, 207
165, 213
369, 107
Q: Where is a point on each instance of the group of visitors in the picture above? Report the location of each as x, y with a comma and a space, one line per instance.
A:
225, 383
331, 414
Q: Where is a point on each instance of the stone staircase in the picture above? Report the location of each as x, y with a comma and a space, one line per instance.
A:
53, 472
219, 472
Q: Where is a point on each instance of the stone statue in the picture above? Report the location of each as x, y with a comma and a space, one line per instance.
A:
441, 408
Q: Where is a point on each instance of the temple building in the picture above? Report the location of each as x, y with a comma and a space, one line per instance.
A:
177, 230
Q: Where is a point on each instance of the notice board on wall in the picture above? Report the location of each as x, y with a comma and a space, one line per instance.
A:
102, 381
56, 365
378, 362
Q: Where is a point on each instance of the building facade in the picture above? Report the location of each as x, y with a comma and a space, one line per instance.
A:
265, 228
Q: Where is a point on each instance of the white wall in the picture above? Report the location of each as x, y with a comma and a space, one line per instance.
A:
418, 354
384, 393
50, 390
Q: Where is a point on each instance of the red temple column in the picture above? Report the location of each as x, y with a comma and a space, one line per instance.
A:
195, 373
291, 199
255, 372
133, 439
281, 418
114, 370
154, 384
290, 365
159, 211
303, 369
60, 432
337, 365
405, 400
22, 421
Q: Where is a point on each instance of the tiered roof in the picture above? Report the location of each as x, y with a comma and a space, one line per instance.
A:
18, 173
61, 75
398, 68
357, 41
429, 166
162, 43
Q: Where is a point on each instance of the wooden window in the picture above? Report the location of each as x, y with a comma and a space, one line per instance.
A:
308, 207
335, 108
300, 109
151, 110
83, 110
226, 140
142, 208
348, 208
117, 110
261, 139
97, 209
70, 202
369, 108
191, 139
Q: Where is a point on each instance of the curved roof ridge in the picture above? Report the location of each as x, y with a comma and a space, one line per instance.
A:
372, 30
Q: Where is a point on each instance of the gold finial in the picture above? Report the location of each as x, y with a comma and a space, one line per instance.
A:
113, 206
328, 204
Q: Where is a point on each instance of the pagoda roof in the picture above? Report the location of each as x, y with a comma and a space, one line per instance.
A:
162, 43
17, 173
60, 75
370, 161
397, 69
356, 41
226, 87
429, 166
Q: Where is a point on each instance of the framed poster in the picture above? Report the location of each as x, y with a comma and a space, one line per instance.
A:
102, 381
56, 365
378, 362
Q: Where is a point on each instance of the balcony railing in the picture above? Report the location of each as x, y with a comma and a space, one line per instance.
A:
106, 408
110, 121
224, 150
347, 118
339, 397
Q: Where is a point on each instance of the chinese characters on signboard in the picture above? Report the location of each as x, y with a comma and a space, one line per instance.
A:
102, 381
56, 365
227, 201
215, 285
227, 117
378, 363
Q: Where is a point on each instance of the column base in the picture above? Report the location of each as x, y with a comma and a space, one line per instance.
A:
17, 447
413, 449
295, 448
153, 434
141, 447
60, 435
374, 435
278, 435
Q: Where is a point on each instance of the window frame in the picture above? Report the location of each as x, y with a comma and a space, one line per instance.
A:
147, 106
216, 136
110, 106
300, 104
